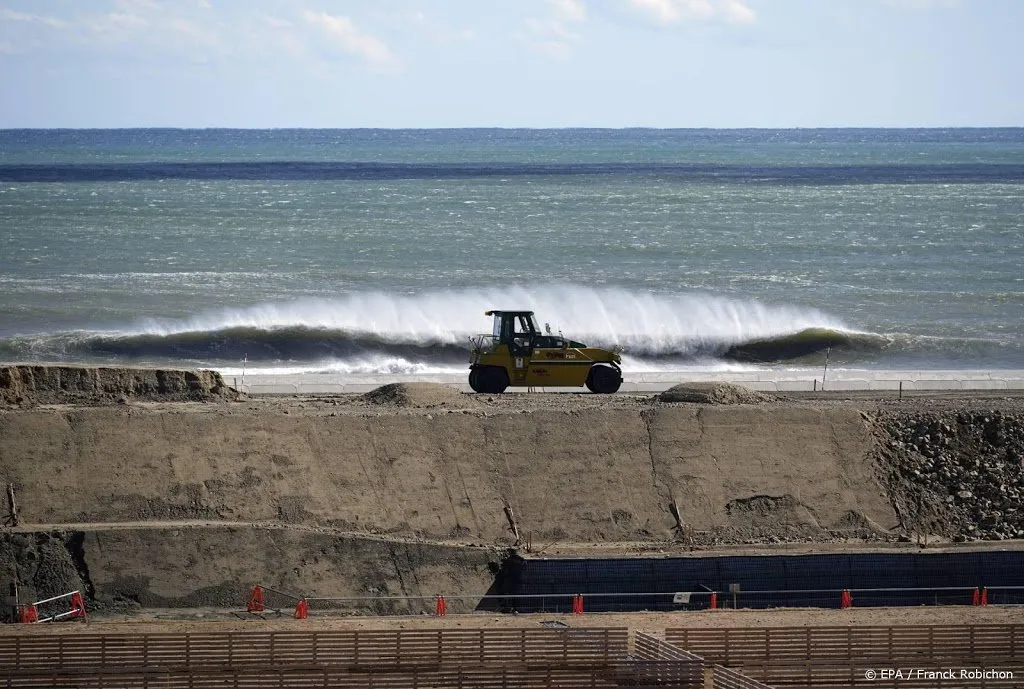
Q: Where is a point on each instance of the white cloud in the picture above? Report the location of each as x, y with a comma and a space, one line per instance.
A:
738, 12
433, 29
550, 36
270, 34
116, 27
184, 32
197, 33
353, 41
569, 10
11, 15
671, 12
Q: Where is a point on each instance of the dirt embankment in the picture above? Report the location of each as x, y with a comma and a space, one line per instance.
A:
634, 470
29, 385
418, 489
203, 566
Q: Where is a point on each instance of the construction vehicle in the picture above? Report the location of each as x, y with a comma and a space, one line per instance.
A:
517, 354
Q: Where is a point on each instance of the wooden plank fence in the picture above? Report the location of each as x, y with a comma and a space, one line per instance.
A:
318, 678
985, 644
727, 678
849, 676
484, 658
684, 670
398, 648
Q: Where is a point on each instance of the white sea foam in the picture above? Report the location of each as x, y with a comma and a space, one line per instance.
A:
383, 365
363, 366
651, 322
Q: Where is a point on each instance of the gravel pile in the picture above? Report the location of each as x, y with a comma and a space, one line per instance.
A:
958, 473
418, 395
714, 393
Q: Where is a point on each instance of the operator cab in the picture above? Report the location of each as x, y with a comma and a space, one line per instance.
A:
519, 330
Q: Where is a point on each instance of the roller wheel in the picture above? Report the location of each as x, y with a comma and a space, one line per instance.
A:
603, 380
492, 380
474, 380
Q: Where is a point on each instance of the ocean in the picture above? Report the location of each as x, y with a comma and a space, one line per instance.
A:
376, 252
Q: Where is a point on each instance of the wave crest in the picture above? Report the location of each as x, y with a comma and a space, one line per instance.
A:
434, 328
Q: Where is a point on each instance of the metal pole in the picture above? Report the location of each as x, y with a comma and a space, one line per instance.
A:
827, 351
13, 505
50, 600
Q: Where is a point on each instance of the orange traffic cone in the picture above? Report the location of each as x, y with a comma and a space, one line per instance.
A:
301, 609
846, 600
256, 599
441, 609
29, 613
984, 597
77, 606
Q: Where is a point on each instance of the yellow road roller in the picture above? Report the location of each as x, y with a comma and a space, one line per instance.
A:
517, 354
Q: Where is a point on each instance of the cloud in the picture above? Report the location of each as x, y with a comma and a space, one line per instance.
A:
12, 16
351, 40
166, 32
737, 12
197, 33
672, 12
550, 36
189, 32
438, 31
569, 10
117, 26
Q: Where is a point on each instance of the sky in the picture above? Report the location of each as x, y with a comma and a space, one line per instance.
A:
511, 63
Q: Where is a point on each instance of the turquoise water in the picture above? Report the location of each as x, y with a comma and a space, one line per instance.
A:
379, 250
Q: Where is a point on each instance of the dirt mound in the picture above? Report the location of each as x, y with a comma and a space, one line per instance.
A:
81, 384
419, 395
714, 393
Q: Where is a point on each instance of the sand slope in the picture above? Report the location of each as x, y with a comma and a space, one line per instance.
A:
591, 474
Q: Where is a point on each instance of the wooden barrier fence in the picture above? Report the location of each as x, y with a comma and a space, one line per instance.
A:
336, 648
964, 644
849, 676
687, 670
727, 678
319, 678
484, 658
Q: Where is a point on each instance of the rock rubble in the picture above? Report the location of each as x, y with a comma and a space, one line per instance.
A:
958, 474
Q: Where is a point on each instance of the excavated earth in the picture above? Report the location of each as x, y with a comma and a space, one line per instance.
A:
166, 489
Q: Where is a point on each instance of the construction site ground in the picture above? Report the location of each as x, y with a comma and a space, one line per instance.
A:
167, 509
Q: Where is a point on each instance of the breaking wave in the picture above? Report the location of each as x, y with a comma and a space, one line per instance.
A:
389, 332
